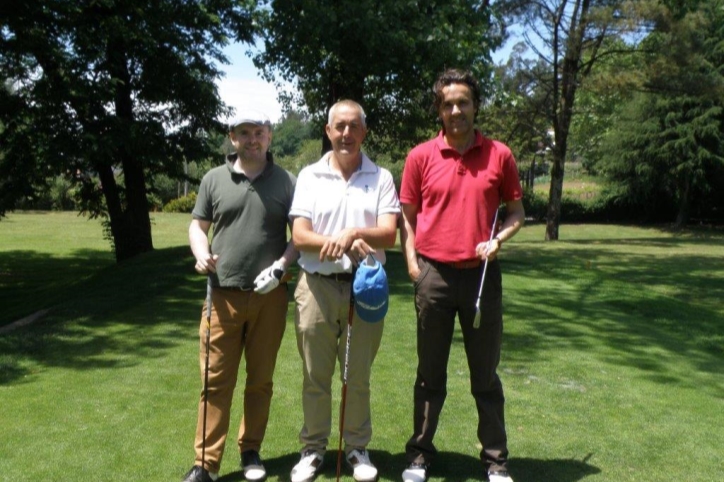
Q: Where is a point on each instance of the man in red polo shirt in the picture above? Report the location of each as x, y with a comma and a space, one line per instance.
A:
451, 189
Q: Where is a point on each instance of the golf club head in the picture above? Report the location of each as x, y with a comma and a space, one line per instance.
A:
476, 320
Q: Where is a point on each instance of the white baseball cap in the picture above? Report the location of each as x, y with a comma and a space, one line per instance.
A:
249, 116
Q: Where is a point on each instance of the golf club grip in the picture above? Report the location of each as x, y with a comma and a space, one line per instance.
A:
208, 302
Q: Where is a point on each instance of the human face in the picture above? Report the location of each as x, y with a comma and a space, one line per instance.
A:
457, 111
347, 131
251, 141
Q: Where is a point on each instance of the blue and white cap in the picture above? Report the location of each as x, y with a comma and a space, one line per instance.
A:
371, 291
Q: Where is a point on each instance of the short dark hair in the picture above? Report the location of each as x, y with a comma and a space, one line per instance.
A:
455, 76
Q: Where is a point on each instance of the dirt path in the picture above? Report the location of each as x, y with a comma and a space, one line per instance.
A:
23, 321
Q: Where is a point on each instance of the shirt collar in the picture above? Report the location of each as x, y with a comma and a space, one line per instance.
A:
231, 159
322, 166
443, 146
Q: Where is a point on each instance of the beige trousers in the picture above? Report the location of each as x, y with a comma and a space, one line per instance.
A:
322, 311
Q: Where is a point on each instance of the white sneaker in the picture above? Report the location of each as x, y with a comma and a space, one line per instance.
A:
415, 473
499, 476
307, 468
363, 469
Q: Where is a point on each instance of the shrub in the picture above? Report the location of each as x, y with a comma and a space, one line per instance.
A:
184, 204
535, 204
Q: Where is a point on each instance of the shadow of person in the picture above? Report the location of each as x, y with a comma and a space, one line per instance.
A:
277, 468
454, 467
389, 467
448, 467
560, 470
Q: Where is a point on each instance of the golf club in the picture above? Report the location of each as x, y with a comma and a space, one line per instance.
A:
476, 320
206, 371
344, 379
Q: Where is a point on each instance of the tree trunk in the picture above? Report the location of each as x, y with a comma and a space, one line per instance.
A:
531, 174
555, 197
130, 224
682, 217
570, 74
352, 89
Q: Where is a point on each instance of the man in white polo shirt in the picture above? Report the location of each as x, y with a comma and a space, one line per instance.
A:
345, 207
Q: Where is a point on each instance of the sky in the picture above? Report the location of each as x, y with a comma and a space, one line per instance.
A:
243, 85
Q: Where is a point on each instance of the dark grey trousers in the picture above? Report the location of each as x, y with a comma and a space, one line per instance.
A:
441, 292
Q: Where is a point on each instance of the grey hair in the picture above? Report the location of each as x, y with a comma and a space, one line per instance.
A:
347, 103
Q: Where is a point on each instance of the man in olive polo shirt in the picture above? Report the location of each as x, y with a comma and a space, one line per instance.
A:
247, 200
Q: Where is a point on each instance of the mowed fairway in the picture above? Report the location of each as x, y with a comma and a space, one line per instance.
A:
613, 360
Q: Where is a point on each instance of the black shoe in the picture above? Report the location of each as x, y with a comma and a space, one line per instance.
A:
253, 468
199, 474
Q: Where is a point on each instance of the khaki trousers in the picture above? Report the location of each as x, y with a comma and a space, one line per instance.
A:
242, 322
322, 311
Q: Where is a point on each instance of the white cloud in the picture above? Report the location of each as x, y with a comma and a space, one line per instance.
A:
251, 93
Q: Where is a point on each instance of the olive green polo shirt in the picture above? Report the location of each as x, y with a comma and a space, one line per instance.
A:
249, 220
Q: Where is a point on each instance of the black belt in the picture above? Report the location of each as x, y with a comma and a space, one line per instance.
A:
341, 277
466, 264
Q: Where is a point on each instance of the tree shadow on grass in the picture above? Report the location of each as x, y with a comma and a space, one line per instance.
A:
152, 302
122, 312
30, 281
635, 304
631, 301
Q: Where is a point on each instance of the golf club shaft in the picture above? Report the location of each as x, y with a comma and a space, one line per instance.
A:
476, 320
206, 371
344, 381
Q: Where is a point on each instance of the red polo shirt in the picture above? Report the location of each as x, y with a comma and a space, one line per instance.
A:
456, 194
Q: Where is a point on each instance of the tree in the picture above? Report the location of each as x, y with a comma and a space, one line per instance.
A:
385, 54
611, 85
108, 93
668, 148
515, 113
289, 133
570, 36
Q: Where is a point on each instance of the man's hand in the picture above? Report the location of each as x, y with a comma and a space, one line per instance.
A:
414, 272
206, 264
488, 250
358, 251
269, 278
336, 246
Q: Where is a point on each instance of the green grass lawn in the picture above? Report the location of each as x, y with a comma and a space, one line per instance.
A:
613, 360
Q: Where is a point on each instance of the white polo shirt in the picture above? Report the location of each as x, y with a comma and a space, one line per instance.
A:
333, 204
